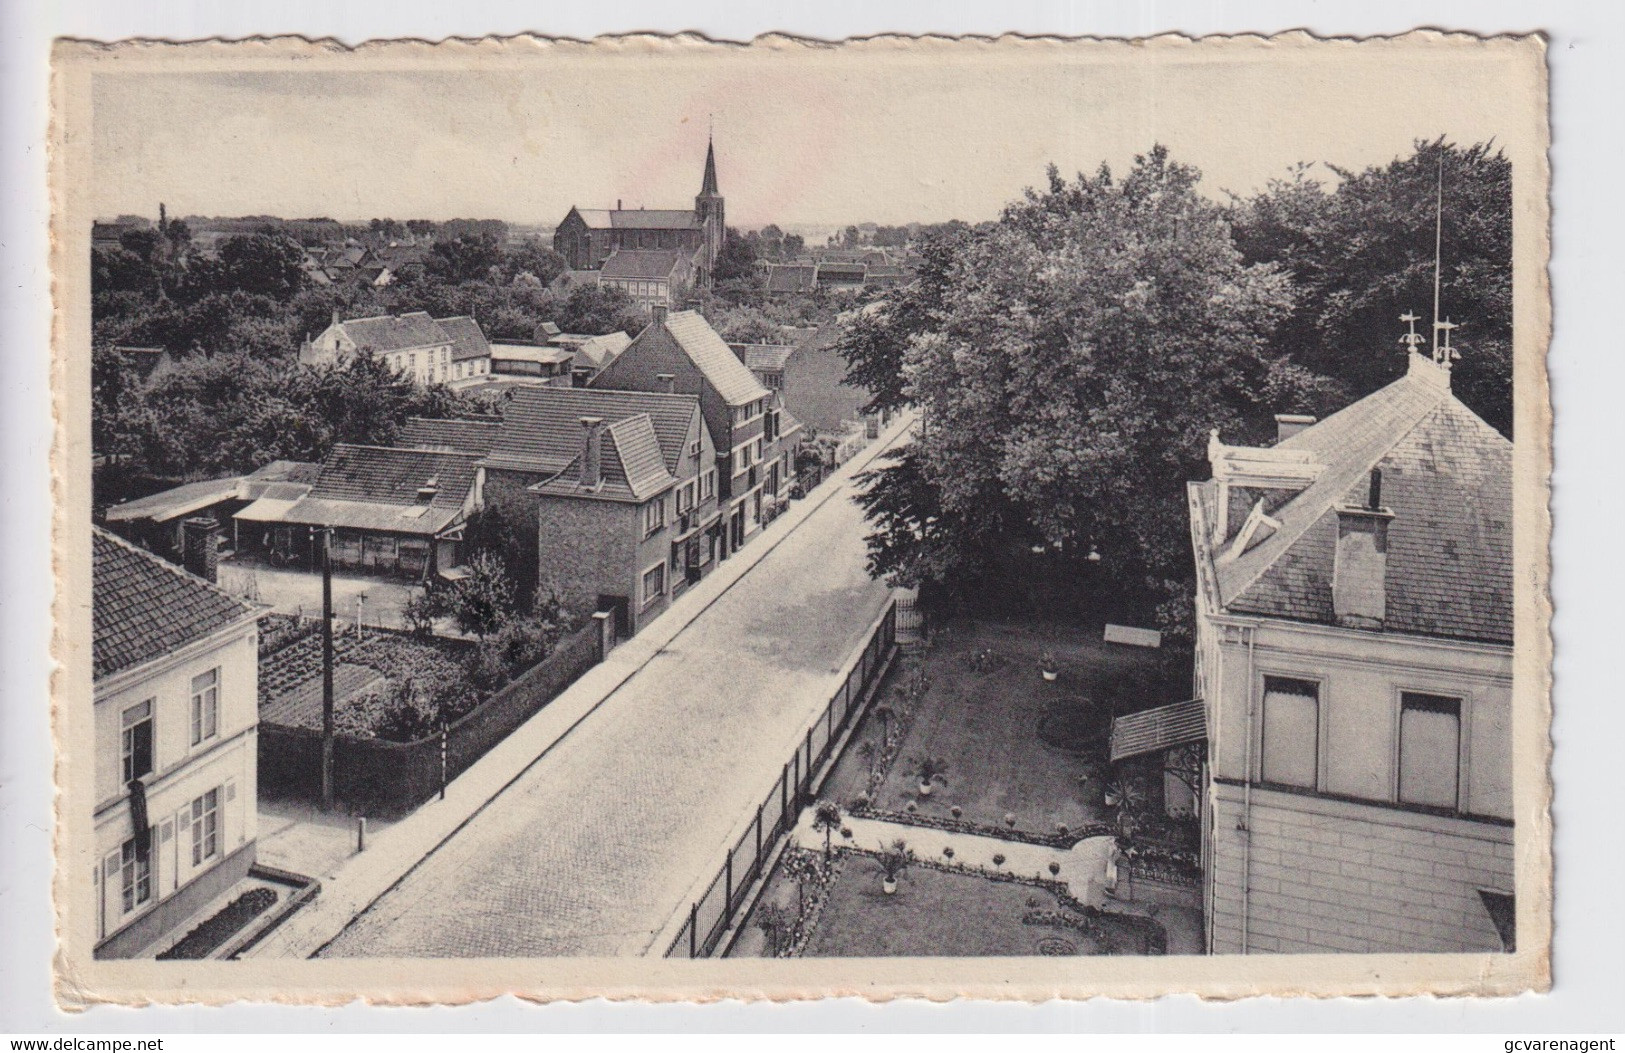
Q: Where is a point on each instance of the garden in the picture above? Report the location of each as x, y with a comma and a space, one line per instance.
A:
888, 904
1003, 728
402, 685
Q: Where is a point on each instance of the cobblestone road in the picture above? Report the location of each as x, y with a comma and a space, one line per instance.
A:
595, 848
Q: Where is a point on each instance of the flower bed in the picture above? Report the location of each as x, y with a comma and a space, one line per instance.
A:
209, 936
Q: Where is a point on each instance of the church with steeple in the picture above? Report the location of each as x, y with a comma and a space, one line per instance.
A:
587, 237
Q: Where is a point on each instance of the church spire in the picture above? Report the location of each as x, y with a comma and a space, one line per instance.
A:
709, 186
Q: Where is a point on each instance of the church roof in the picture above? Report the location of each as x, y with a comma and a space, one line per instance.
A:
654, 219
708, 185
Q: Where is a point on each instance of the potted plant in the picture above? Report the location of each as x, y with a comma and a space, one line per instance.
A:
931, 770
892, 862
1048, 665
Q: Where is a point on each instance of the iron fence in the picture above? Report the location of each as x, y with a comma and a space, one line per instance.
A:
710, 915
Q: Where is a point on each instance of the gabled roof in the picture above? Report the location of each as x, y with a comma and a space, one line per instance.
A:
764, 358
600, 351
654, 219
377, 488
631, 468
467, 339
642, 263
457, 436
143, 607
541, 426
736, 384
791, 278
386, 333
544, 354
596, 218
1446, 476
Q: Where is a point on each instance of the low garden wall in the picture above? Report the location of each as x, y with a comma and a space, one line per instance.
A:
377, 777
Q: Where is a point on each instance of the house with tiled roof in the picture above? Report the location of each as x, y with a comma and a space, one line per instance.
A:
754, 437
392, 510
587, 237
1354, 637
429, 350
649, 277
623, 485
786, 280
175, 665
456, 436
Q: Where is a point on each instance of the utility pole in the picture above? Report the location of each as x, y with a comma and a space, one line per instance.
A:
327, 669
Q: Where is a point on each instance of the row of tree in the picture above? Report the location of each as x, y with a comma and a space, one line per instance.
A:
1072, 358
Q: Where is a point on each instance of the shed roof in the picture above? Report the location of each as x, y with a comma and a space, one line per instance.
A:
1155, 730
377, 488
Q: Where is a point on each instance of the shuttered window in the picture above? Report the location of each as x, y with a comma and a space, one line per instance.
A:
1290, 753
1429, 749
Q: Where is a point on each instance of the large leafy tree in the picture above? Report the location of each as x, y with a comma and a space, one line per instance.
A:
1069, 367
1362, 253
263, 264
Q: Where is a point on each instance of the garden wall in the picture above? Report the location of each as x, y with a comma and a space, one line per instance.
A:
375, 777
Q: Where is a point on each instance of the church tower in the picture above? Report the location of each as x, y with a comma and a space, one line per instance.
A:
708, 207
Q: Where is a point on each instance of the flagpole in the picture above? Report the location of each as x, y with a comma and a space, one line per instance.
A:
1438, 246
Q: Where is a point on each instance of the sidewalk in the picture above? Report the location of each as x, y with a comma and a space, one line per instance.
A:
395, 852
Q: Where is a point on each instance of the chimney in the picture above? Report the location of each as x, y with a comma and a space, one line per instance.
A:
592, 452
658, 313
200, 547
429, 489
335, 316
1360, 567
617, 204
668, 382
1289, 424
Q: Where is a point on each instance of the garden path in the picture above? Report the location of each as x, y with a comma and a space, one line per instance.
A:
1087, 867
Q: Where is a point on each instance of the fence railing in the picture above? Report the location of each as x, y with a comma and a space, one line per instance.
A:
710, 915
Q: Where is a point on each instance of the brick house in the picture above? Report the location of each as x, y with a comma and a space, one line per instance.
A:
754, 437
175, 663
1354, 655
622, 482
649, 277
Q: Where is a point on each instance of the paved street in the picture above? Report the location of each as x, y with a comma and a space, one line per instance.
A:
598, 844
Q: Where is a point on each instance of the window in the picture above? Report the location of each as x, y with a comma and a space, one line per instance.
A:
412, 360
654, 583
757, 457
136, 744
205, 706
135, 877
654, 516
708, 485
685, 498
205, 819
1429, 749
1291, 746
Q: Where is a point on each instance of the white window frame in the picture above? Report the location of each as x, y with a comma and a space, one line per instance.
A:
708, 484
127, 739
205, 710
1460, 698
203, 822
654, 516
643, 583
133, 872
1320, 725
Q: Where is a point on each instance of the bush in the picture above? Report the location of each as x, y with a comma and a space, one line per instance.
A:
425, 689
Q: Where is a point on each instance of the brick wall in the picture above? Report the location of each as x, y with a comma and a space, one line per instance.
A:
593, 548
1335, 876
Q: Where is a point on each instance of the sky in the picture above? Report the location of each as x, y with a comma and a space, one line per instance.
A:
884, 132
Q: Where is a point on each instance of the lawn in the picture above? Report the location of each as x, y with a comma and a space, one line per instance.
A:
1016, 746
938, 913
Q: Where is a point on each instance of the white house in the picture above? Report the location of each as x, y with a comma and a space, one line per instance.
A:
429, 350
176, 710
1354, 658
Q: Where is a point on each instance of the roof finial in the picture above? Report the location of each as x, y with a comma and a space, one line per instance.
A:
1412, 338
